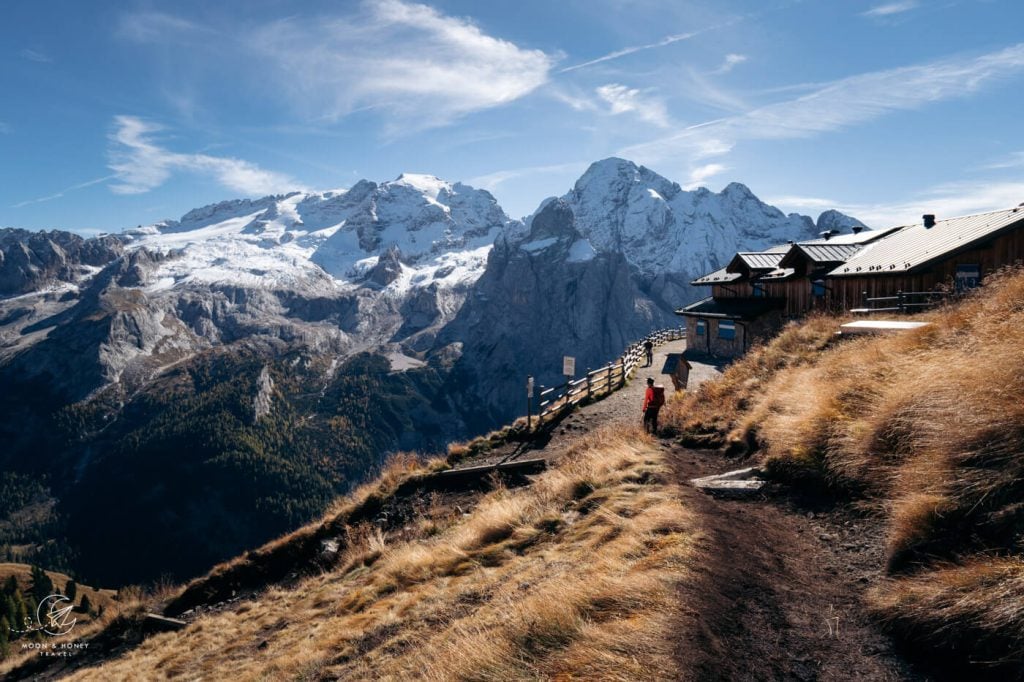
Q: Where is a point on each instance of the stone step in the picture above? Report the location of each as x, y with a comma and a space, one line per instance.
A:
740, 483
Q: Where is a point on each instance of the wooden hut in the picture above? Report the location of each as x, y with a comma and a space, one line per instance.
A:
903, 270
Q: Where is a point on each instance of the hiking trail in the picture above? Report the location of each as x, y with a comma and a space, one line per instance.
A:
780, 585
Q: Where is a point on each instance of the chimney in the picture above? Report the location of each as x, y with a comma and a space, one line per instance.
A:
857, 229
827, 234
929, 219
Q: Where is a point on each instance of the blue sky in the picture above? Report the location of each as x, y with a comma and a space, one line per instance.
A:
116, 114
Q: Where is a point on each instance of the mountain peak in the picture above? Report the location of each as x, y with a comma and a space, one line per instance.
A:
556, 219
737, 190
429, 185
612, 164
835, 220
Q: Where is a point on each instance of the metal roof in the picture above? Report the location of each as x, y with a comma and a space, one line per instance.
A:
821, 252
777, 275
862, 237
717, 277
761, 260
732, 308
914, 246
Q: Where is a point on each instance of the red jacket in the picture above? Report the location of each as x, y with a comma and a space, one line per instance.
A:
649, 398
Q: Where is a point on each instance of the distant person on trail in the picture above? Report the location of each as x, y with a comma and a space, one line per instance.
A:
654, 398
649, 352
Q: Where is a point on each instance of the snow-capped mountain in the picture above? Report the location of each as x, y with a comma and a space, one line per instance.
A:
441, 232
670, 235
662, 228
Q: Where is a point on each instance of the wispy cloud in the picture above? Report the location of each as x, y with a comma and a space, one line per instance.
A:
1014, 160
700, 174
891, 8
152, 26
840, 104
492, 181
621, 99
140, 164
35, 56
573, 98
946, 201
731, 61
61, 193
697, 87
408, 61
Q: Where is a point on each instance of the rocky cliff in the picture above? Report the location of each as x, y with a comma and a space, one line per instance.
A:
545, 293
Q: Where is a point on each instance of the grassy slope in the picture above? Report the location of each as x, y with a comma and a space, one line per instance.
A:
927, 430
86, 624
574, 575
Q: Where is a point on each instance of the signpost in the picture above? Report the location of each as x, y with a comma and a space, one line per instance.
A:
529, 401
569, 367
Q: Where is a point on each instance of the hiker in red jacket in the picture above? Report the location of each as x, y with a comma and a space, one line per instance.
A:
654, 398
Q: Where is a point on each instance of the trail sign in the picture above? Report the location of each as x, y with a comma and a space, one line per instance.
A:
569, 366
529, 387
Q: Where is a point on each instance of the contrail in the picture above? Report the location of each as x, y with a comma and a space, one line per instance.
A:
668, 40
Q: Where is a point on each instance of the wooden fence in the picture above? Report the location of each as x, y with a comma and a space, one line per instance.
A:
598, 382
902, 302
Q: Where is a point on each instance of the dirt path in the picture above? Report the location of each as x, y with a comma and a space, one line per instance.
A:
779, 594
624, 406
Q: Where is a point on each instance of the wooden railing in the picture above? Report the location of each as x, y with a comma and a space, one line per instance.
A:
598, 382
902, 302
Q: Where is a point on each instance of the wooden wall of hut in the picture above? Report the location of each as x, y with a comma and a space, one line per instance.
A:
848, 292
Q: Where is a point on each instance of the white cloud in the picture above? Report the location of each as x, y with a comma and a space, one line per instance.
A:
35, 56
140, 164
840, 104
622, 99
731, 61
410, 61
891, 8
492, 181
698, 88
573, 99
1014, 160
700, 174
146, 27
945, 201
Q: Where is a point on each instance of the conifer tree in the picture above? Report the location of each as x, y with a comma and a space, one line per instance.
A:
41, 586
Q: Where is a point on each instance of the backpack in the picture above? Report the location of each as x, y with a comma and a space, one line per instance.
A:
659, 396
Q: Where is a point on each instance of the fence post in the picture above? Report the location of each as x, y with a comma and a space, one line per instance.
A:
899, 301
588, 383
529, 403
863, 299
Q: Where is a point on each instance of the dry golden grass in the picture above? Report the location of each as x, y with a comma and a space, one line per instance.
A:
572, 577
977, 607
127, 604
927, 427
